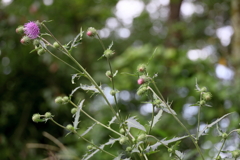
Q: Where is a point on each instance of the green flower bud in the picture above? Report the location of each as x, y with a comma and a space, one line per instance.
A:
109, 74
141, 137
91, 32
70, 127
40, 51
113, 92
141, 68
56, 45
157, 102
170, 150
122, 131
73, 110
48, 115
141, 91
36, 118
203, 89
202, 102
224, 135
90, 147
129, 149
20, 30
236, 153
36, 42
207, 96
65, 99
25, 40
108, 53
59, 100
218, 158
123, 140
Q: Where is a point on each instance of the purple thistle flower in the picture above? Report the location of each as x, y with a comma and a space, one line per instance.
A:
32, 30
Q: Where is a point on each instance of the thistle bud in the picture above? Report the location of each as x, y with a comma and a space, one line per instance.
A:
113, 92
91, 32
109, 74
36, 118
141, 68
122, 131
202, 102
207, 96
65, 99
236, 153
224, 135
73, 110
203, 89
141, 137
56, 45
70, 127
59, 100
123, 140
36, 42
143, 79
40, 51
170, 150
25, 40
108, 53
48, 115
129, 149
20, 30
141, 91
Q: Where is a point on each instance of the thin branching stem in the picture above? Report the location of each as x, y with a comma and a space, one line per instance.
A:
163, 144
224, 140
176, 118
96, 120
75, 132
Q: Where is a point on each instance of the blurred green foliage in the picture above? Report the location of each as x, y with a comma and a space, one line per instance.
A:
30, 83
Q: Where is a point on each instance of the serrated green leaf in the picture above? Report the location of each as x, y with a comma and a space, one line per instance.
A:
156, 118
77, 114
110, 142
213, 123
133, 123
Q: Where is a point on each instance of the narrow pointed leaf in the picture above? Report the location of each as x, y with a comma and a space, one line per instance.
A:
77, 114
110, 142
89, 129
112, 120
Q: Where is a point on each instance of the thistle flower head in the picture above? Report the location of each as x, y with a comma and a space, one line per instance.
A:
32, 30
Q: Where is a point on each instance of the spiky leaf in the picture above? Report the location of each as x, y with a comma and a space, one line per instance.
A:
132, 122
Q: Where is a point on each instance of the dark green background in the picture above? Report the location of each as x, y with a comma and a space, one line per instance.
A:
30, 83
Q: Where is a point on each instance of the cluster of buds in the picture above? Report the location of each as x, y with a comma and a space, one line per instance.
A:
31, 31
41, 118
62, 100
206, 96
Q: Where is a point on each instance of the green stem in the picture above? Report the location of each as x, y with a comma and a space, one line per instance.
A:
175, 117
221, 146
163, 144
96, 120
98, 37
94, 144
82, 138
199, 112
61, 60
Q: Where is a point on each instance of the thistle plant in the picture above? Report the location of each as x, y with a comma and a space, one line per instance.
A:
134, 146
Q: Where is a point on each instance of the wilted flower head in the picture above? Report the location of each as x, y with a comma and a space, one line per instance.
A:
32, 30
